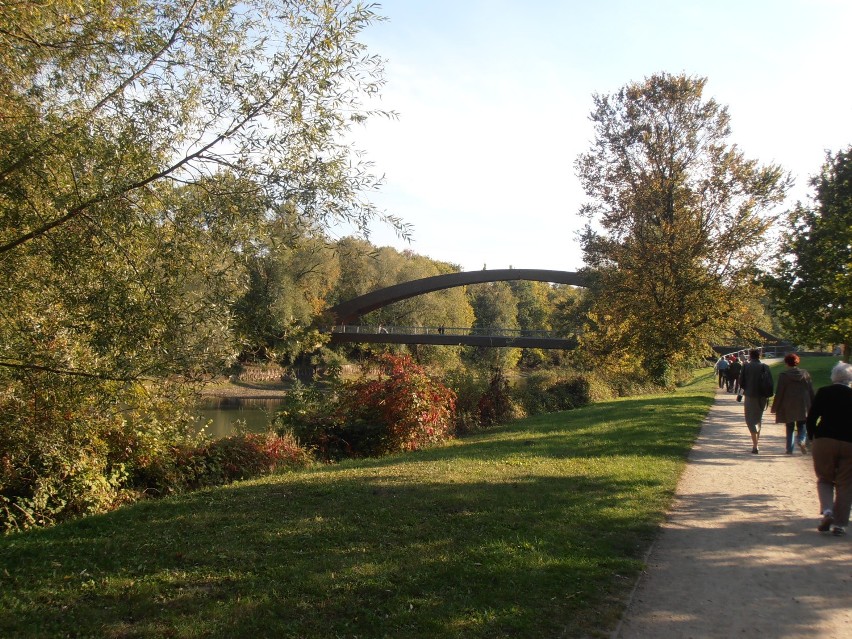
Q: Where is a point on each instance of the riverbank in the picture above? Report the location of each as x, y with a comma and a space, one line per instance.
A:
224, 387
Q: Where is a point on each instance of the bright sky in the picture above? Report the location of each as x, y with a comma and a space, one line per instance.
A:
494, 96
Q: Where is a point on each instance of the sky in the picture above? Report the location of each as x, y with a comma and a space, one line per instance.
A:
493, 100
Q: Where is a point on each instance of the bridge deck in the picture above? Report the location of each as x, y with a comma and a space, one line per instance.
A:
456, 340
450, 336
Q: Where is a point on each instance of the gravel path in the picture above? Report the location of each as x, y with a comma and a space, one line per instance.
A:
739, 554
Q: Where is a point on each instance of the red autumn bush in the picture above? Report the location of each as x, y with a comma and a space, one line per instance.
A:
403, 408
399, 407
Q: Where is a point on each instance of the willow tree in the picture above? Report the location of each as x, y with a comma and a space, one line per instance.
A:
677, 216
144, 145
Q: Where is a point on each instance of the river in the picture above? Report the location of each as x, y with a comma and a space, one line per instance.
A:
223, 412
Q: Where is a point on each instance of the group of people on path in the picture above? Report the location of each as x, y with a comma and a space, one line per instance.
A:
729, 368
820, 421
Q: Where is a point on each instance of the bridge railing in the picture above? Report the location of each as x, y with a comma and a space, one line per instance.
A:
766, 352
356, 329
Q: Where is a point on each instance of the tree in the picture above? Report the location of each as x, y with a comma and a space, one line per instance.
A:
677, 215
533, 315
567, 312
812, 282
291, 270
365, 268
115, 104
448, 307
145, 146
494, 307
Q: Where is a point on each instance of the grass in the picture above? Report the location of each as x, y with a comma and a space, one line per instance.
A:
535, 529
818, 367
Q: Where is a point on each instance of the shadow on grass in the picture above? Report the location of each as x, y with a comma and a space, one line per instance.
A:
534, 529
361, 556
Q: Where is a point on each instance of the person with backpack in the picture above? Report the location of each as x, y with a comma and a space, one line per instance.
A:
757, 386
793, 397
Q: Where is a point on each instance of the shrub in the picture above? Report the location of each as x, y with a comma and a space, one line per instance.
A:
533, 393
632, 384
469, 385
56, 456
599, 389
400, 407
497, 405
550, 392
58, 483
221, 461
63, 456
249, 455
307, 413
176, 470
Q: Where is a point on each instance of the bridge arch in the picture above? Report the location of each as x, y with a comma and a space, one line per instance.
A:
351, 310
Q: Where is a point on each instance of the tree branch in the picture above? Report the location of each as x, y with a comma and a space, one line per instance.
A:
224, 135
61, 371
110, 95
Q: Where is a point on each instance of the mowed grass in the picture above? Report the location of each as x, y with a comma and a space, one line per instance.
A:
535, 529
818, 366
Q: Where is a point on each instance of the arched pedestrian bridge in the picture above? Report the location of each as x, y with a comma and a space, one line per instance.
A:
346, 314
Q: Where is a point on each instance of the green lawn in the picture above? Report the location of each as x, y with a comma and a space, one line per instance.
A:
818, 367
535, 529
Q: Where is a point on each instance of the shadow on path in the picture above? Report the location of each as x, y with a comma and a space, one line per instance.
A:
739, 552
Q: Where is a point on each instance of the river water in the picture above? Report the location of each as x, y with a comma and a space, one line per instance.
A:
224, 413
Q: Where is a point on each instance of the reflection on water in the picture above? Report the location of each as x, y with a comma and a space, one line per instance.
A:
222, 412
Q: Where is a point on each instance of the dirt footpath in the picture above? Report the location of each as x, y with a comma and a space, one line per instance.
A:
739, 554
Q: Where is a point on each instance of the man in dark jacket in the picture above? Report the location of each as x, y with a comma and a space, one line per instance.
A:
734, 370
756, 400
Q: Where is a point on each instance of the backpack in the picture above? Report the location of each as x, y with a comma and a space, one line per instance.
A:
766, 386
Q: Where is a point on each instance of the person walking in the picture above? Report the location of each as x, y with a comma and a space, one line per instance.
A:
829, 426
793, 397
734, 370
722, 370
756, 393
729, 374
